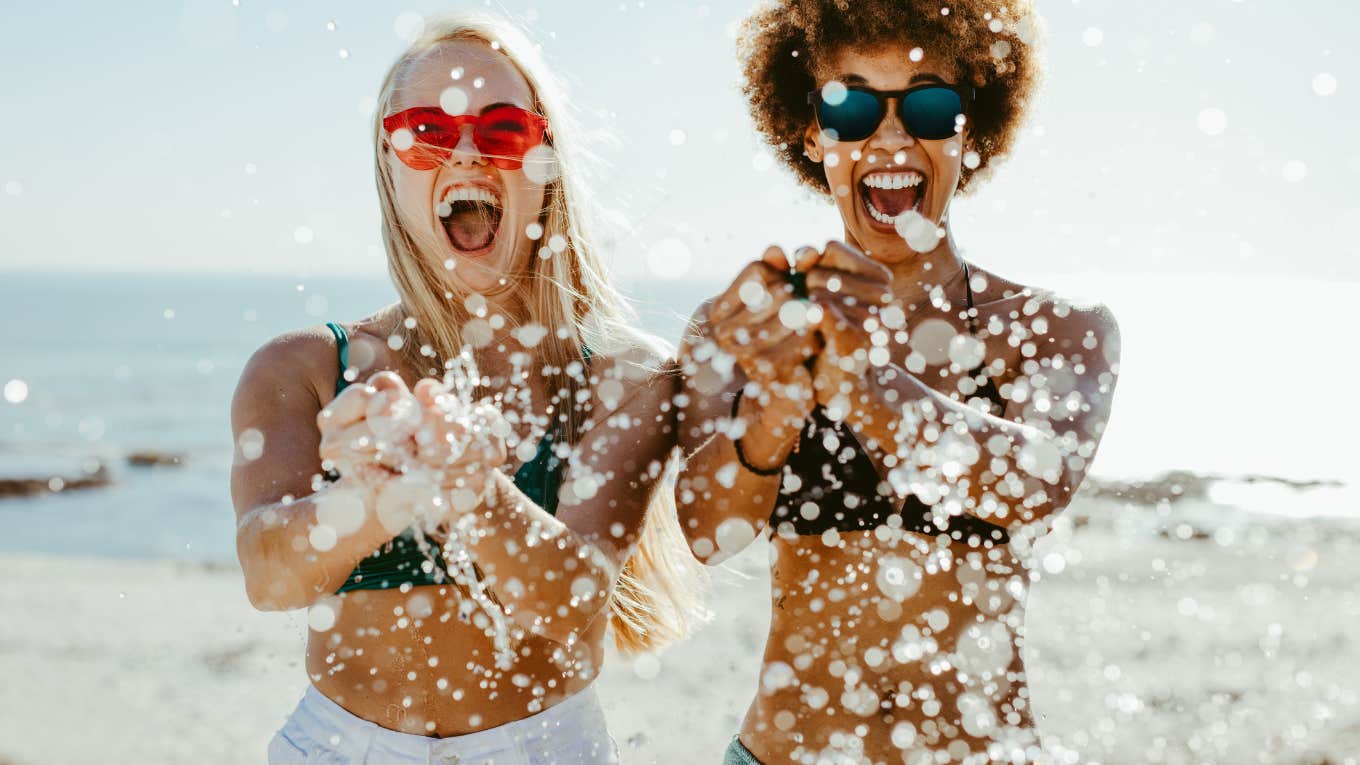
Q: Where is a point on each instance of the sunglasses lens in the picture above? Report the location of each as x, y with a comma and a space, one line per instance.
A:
505, 134
854, 118
931, 113
422, 157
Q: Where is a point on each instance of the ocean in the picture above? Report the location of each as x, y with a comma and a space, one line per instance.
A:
1239, 378
121, 363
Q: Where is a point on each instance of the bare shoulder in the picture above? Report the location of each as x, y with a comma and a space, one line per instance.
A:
1056, 323
300, 362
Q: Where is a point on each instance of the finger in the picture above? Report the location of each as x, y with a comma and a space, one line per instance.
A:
804, 258
843, 328
357, 439
842, 256
388, 381
849, 284
427, 391
754, 337
346, 408
775, 258
730, 302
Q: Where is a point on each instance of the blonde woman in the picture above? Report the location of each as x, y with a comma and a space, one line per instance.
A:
462, 547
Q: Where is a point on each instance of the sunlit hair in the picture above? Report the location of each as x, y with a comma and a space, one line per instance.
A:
995, 44
658, 595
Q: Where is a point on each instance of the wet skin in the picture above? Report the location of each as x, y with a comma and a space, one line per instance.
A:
886, 643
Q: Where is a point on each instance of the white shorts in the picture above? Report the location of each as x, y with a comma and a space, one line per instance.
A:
321, 732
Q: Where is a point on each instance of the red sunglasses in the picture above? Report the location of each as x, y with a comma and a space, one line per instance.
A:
503, 134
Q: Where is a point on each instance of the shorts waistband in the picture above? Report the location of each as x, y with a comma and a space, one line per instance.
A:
332, 719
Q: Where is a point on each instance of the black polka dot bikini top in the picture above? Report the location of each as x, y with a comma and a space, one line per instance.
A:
831, 483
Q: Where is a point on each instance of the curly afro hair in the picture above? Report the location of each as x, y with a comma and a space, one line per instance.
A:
994, 43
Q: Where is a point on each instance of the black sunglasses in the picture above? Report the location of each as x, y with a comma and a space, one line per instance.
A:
929, 112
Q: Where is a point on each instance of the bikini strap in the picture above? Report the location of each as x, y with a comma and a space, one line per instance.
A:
972, 312
342, 342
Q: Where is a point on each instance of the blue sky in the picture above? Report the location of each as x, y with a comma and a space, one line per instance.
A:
202, 136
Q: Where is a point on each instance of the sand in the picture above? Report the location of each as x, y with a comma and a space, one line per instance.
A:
1193, 633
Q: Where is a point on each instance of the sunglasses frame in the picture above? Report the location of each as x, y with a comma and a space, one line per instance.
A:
408, 119
966, 93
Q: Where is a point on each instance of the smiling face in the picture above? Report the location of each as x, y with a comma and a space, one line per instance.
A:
888, 175
466, 213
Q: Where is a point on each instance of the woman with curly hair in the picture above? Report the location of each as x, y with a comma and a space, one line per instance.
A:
898, 421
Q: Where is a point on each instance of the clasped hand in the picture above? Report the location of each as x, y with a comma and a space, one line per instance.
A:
381, 435
801, 351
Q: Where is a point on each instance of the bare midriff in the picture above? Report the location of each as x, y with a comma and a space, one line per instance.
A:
408, 662
885, 642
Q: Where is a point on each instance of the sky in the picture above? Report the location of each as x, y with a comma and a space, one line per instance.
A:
1170, 138
1191, 163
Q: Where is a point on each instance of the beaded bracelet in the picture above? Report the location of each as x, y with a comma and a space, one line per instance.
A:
736, 442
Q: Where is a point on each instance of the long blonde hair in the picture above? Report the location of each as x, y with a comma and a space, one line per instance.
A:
657, 597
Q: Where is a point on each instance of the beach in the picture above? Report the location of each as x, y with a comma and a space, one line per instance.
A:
1173, 632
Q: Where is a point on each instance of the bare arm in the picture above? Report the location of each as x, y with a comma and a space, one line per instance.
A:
275, 481
760, 347
1023, 465
554, 574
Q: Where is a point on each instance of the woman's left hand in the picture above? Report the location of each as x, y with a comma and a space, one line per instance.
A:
460, 449
849, 288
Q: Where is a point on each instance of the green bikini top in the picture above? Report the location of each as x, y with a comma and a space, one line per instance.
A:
402, 561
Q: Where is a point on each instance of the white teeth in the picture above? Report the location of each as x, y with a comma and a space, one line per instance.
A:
465, 194
892, 180
883, 217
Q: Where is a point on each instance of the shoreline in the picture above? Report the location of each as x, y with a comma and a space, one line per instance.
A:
1223, 646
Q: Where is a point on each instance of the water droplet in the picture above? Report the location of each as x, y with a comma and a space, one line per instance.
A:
1294, 171
1092, 37
919, 232
1054, 563
1324, 84
16, 391
971, 160
534, 231
453, 100
344, 54
734, 534
321, 616
251, 444
540, 164
322, 537
330, 25
916, 54
303, 235
1212, 121
677, 137
340, 510
834, 93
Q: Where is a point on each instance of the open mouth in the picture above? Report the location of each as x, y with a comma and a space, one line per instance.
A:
471, 216
887, 195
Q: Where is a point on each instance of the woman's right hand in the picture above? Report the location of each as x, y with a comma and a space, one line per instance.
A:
366, 432
771, 341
